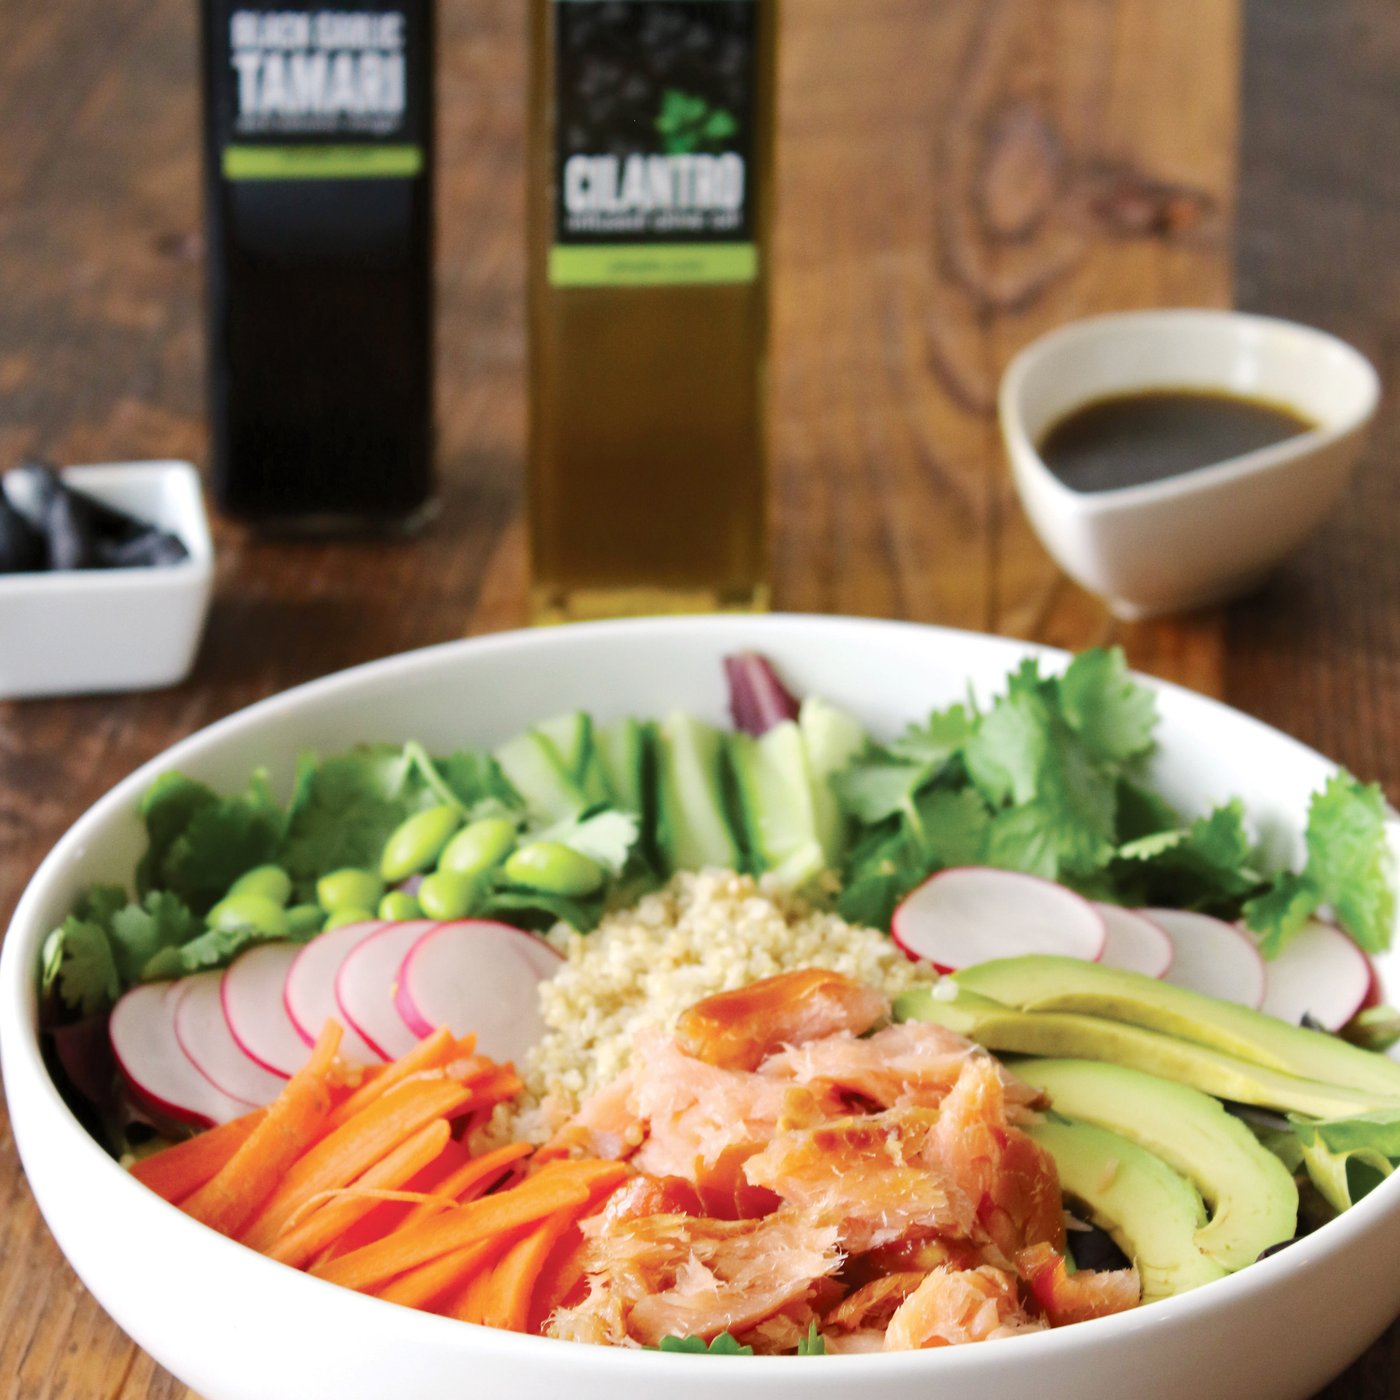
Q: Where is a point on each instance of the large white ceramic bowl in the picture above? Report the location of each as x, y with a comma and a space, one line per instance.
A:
235, 1326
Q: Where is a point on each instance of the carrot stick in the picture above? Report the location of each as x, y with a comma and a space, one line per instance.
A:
558, 1187
421, 1287
174, 1172
511, 1291
301, 1243
468, 1182
227, 1200
471, 1305
437, 1050
354, 1147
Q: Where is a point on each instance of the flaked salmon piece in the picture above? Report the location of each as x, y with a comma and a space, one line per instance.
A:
913, 1065
867, 1340
672, 1275
874, 1304
1066, 1297
640, 1196
740, 1029
781, 1333
953, 1306
606, 1125
874, 1178
916, 1254
1012, 1181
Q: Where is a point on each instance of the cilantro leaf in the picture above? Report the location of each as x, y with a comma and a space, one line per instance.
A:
1278, 913
1007, 754
1349, 860
813, 1344
79, 962
934, 743
952, 826
1114, 716
137, 932
1208, 865
873, 789
606, 837
723, 1345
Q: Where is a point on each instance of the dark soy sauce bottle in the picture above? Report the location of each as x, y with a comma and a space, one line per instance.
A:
318, 151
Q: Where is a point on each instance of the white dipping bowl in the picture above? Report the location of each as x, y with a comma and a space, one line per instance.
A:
235, 1326
1213, 533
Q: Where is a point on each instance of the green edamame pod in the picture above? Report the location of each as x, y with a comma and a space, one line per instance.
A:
269, 881
397, 907
349, 889
448, 894
417, 843
554, 868
304, 919
253, 911
337, 917
479, 847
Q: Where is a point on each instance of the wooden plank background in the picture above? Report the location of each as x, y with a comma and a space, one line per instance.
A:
955, 177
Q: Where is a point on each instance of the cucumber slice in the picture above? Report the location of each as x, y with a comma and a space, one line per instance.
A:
621, 751
573, 740
535, 770
832, 739
775, 796
693, 828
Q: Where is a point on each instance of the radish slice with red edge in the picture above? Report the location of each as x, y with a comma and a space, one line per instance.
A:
1134, 942
975, 914
367, 984
161, 1077
205, 1037
1320, 974
251, 993
309, 991
479, 976
1212, 956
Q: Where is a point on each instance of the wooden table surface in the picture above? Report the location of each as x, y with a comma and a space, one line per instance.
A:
956, 176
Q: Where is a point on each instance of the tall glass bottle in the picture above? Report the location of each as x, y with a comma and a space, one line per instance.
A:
318, 132
650, 207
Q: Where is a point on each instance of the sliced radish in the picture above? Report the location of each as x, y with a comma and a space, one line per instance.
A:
544, 957
478, 976
205, 1037
368, 983
158, 1072
974, 914
1134, 942
1321, 974
251, 993
1212, 956
309, 991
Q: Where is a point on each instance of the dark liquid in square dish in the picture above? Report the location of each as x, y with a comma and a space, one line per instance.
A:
1132, 439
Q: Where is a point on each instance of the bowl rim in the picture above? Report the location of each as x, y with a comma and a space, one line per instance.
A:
1220, 322
21, 1055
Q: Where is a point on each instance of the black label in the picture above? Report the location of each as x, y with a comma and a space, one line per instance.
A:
655, 108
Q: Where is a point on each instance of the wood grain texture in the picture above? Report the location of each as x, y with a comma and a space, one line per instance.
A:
955, 178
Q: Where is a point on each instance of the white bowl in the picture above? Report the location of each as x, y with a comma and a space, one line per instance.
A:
1210, 534
235, 1326
86, 631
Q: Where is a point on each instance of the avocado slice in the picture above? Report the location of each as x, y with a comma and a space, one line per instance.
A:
1043, 983
1152, 1212
1251, 1195
1093, 1038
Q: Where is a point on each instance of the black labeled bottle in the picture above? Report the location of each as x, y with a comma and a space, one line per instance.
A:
318, 133
650, 206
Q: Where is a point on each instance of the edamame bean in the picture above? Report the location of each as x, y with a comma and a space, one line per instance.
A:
304, 919
349, 915
479, 847
554, 868
254, 911
417, 843
349, 889
270, 881
448, 894
398, 906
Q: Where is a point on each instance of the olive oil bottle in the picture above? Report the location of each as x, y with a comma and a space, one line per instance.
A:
650, 207
318, 145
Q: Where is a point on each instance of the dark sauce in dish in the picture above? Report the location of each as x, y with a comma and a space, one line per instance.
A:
1132, 439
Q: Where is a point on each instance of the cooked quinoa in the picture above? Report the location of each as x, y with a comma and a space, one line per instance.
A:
644, 966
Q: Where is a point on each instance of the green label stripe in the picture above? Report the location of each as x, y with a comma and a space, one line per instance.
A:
651, 264
322, 162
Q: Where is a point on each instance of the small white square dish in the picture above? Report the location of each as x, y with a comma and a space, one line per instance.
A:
91, 631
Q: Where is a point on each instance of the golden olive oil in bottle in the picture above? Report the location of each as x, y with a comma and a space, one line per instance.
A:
650, 208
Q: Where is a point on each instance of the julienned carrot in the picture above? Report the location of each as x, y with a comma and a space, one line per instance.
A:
471, 1303
507, 1298
228, 1200
469, 1181
301, 1243
560, 1186
439, 1049
353, 1148
421, 1287
178, 1171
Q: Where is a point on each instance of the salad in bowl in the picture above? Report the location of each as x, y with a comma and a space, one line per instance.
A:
756, 1011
